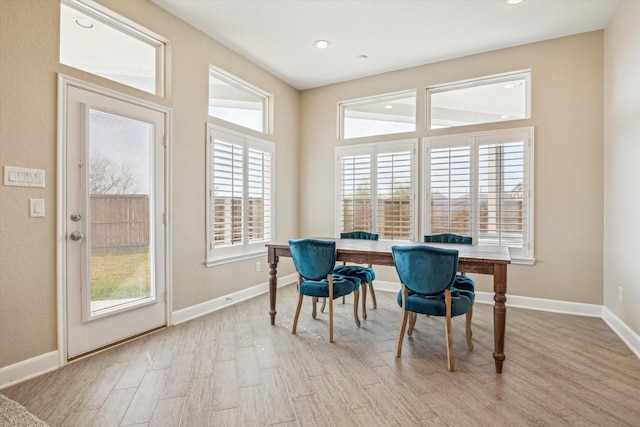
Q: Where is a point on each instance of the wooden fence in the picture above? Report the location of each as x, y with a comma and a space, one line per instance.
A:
119, 220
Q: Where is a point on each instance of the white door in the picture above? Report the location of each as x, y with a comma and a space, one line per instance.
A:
114, 206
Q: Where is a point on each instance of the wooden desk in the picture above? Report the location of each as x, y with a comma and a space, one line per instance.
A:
478, 259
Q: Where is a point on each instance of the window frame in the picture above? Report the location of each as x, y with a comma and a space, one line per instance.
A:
381, 98
245, 87
374, 150
128, 28
478, 82
248, 248
474, 140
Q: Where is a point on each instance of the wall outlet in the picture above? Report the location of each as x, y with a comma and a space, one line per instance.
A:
620, 293
257, 266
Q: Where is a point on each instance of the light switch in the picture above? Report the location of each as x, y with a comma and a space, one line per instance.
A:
23, 177
36, 208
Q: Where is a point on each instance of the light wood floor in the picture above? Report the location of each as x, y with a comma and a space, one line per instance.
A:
232, 368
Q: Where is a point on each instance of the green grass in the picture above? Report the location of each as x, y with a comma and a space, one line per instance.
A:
118, 273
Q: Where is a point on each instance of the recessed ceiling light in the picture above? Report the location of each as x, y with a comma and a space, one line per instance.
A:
321, 44
388, 106
504, 116
513, 2
83, 22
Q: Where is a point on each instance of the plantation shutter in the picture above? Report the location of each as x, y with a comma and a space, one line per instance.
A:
227, 185
450, 198
355, 192
501, 181
259, 189
395, 213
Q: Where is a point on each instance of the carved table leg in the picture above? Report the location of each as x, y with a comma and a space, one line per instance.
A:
273, 287
499, 313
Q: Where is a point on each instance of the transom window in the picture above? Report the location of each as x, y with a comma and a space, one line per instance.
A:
486, 100
100, 42
481, 185
378, 115
235, 101
376, 186
239, 195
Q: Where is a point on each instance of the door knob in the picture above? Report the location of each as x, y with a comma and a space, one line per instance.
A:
76, 236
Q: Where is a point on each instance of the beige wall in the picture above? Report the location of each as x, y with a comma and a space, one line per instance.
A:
567, 114
622, 155
28, 72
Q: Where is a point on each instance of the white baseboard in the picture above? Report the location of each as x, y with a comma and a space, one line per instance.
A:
210, 306
30, 368
48, 362
630, 338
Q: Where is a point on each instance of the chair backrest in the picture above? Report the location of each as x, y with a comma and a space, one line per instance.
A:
359, 235
424, 269
313, 258
448, 238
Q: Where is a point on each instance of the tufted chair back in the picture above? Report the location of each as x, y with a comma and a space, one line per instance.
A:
359, 235
314, 259
448, 238
424, 269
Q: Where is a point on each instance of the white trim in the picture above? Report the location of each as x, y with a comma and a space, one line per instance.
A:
210, 306
230, 259
27, 369
629, 337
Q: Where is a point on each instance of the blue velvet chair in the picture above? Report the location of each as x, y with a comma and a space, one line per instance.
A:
314, 261
366, 274
427, 275
462, 281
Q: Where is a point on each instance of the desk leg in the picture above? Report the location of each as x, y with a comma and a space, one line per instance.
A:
499, 313
273, 287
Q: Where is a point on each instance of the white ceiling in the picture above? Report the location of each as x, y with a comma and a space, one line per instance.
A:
278, 35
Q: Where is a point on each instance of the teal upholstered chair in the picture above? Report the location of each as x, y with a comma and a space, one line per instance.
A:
427, 275
462, 281
366, 274
314, 261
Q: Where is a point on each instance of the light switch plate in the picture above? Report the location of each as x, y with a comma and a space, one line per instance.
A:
36, 208
23, 177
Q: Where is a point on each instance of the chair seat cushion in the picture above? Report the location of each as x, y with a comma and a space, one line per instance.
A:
320, 288
461, 302
365, 274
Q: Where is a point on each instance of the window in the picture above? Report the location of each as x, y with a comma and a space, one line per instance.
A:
378, 115
486, 100
481, 185
237, 102
107, 45
240, 194
376, 187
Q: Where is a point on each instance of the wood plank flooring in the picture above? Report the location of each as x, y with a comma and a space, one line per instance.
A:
232, 368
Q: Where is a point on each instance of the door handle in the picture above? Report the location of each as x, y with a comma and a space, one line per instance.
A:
76, 236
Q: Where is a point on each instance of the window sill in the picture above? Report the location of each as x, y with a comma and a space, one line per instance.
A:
231, 259
523, 261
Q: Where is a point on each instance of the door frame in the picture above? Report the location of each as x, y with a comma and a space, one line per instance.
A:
64, 82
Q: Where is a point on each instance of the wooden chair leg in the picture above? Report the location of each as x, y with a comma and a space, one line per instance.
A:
469, 332
324, 304
403, 327
330, 280
413, 317
356, 298
343, 300
314, 313
373, 295
364, 301
295, 318
447, 326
